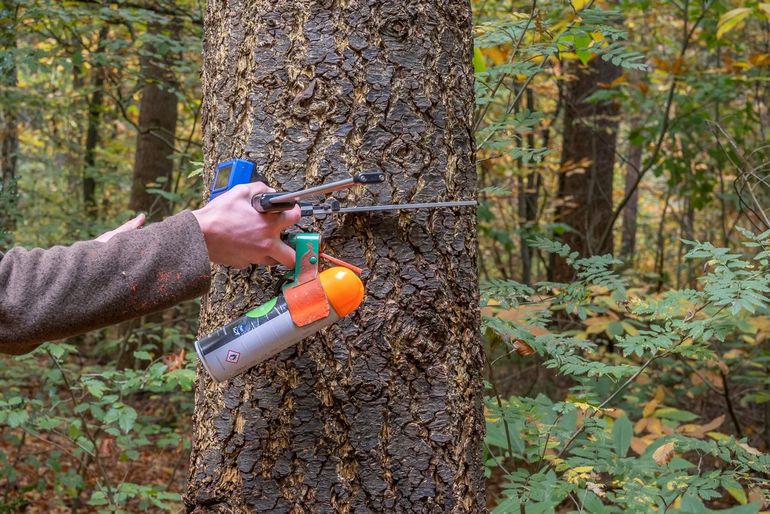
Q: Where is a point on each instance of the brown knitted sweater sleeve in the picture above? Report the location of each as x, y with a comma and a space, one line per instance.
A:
64, 291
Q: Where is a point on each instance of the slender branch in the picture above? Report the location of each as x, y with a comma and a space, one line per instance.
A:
510, 60
500, 406
606, 402
84, 422
729, 402
154, 8
526, 83
665, 125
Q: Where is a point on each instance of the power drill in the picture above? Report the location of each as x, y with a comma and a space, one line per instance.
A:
313, 300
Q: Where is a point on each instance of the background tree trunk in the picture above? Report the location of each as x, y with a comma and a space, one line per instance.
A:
588, 158
157, 125
628, 238
529, 191
9, 132
153, 159
94, 122
382, 412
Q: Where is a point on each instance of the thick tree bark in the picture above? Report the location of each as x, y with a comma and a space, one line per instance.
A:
94, 124
382, 412
157, 127
9, 131
588, 158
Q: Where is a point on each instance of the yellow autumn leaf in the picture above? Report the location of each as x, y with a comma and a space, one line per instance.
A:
660, 393
597, 328
735, 353
736, 490
760, 323
598, 320
700, 431
649, 408
663, 454
574, 475
731, 19
495, 55
760, 59
765, 8
597, 36
583, 406
655, 426
579, 4
639, 444
710, 426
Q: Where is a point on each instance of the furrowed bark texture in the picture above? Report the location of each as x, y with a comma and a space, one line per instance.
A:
588, 160
381, 412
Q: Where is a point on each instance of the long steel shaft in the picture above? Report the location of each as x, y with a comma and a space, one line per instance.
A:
398, 207
312, 191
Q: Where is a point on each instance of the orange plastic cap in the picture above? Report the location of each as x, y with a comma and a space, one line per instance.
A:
343, 288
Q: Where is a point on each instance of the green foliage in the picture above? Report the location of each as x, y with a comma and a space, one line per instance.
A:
628, 409
99, 417
58, 51
100, 423
575, 452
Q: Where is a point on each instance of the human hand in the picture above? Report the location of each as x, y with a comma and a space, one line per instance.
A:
237, 235
131, 224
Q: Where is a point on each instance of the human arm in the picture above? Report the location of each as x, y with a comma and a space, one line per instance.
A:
62, 291
126, 273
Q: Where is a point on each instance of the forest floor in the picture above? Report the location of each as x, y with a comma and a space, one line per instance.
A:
40, 488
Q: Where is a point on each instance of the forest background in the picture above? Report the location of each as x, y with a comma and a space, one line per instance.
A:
632, 128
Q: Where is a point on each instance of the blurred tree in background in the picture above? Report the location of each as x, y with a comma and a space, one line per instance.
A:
639, 127
100, 118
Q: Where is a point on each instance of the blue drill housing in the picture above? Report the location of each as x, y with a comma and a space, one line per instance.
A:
231, 173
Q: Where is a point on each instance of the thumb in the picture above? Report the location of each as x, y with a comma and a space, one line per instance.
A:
131, 224
283, 253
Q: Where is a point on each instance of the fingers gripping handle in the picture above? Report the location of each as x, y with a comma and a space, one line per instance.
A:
263, 202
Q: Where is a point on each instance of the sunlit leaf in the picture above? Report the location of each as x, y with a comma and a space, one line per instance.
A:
729, 20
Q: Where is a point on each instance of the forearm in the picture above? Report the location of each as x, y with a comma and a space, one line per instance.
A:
56, 293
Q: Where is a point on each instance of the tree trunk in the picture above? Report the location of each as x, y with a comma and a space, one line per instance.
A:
588, 158
9, 132
529, 192
157, 127
153, 159
94, 122
628, 238
381, 412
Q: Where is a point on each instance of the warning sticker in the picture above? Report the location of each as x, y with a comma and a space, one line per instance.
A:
232, 356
